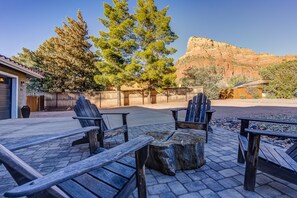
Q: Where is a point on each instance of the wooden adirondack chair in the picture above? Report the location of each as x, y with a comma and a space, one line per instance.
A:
198, 114
89, 115
110, 173
266, 157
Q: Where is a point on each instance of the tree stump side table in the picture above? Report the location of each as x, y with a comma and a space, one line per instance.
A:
181, 149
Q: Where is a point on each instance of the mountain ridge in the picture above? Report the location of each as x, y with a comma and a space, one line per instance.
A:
236, 61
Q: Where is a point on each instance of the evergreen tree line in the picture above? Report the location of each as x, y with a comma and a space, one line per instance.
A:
133, 49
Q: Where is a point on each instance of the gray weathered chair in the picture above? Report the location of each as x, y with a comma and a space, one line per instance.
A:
266, 157
110, 173
198, 114
89, 115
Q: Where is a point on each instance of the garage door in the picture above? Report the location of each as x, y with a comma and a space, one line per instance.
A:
5, 97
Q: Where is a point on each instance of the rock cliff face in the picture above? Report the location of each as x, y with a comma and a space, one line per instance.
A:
235, 60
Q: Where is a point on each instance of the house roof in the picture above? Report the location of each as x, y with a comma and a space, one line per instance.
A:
20, 67
253, 83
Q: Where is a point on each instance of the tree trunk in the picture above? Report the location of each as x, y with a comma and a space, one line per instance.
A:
149, 96
119, 99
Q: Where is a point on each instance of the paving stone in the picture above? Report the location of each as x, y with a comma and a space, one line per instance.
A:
263, 179
246, 193
228, 172
213, 174
230, 193
195, 186
182, 177
165, 179
239, 178
151, 180
177, 188
227, 158
229, 182
215, 166
190, 195
167, 195
198, 175
212, 184
207, 193
267, 191
284, 189
156, 173
228, 164
158, 189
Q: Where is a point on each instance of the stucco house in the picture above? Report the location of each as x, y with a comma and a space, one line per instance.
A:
13, 78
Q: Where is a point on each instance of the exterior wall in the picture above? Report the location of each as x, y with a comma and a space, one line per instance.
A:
21, 77
106, 99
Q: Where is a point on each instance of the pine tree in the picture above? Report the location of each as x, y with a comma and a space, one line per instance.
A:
153, 34
68, 59
116, 46
32, 60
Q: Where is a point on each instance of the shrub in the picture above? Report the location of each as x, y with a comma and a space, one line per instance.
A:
282, 79
208, 77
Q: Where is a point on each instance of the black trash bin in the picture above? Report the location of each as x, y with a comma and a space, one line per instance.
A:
25, 111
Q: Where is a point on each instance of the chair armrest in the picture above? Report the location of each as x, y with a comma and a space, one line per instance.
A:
60, 135
81, 167
272, 133
87, 118
267, 120
115, 113
179, 109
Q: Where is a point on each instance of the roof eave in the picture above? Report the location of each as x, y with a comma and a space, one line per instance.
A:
21, 69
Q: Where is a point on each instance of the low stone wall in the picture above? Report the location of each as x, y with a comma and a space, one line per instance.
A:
106, 99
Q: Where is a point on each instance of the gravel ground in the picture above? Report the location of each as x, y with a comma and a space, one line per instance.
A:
233, 124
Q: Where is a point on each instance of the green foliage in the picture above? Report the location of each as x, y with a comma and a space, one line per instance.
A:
32, 60
208, 77
153, 34
235, 80
116, 46
67, 58
282, 79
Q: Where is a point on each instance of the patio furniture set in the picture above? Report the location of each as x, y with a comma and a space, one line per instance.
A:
114, 173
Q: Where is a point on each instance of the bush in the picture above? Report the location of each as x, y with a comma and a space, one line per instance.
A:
282, 79
208, 77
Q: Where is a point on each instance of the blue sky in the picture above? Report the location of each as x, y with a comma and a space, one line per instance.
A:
261, 25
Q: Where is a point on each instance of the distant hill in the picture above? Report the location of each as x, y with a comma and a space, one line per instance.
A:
235, 60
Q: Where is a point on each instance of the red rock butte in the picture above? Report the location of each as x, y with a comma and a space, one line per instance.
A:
236, 61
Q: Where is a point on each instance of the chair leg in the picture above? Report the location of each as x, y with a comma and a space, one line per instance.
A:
100, 139
126, 136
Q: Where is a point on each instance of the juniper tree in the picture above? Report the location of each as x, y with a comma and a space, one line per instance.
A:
116, 46
153, 33
68, 59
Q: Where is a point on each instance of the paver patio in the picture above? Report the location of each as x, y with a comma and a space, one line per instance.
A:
222, 176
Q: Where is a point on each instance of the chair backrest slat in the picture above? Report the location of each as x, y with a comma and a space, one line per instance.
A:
192, 109
84, 108
203, 109
196, 108
188, 110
